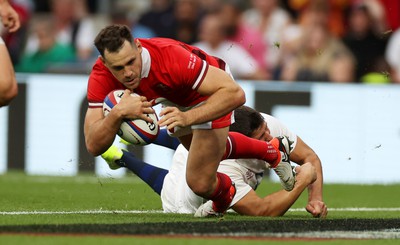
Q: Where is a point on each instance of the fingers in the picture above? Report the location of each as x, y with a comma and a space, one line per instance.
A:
13, 25
171, 117
135, 106
167, 110
10, 19
167, 120
146, 118
317, 210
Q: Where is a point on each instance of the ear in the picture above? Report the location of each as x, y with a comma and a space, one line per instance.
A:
138, 45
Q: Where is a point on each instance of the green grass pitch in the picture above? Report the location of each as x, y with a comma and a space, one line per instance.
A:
92, 210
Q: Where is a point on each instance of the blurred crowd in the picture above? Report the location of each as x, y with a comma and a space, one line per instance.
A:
341, 41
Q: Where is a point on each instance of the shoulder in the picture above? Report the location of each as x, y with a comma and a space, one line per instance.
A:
165, 52
99, 70
160, 43
101, 82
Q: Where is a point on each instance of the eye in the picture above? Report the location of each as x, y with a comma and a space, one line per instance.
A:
118, 68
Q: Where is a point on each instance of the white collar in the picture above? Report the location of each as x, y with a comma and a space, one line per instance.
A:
146, 62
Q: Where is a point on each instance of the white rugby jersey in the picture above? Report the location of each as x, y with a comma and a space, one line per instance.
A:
176, 195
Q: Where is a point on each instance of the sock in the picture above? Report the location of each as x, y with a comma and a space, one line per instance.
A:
153, 176
241, 146
222, 196
164, 139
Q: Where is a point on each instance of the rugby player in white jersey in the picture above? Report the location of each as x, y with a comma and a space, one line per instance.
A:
247, 174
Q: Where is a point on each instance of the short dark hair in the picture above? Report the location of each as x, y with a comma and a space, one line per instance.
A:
247, 120
112, 38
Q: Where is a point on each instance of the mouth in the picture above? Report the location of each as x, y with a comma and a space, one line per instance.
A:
131, 82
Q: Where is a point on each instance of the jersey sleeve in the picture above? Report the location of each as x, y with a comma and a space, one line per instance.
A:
187, 68
100, 83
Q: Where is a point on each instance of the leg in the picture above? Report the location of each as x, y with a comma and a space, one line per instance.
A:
163, 139
276, 152
152, 175
206, 150
241, 146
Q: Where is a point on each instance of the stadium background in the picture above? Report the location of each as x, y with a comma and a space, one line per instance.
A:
354, 128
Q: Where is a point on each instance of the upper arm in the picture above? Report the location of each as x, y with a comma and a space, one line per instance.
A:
302, 153
192, 71
216, 79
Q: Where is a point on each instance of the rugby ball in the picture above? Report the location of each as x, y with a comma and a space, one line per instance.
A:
136, 131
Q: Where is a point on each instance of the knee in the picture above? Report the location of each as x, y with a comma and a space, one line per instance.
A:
200, 186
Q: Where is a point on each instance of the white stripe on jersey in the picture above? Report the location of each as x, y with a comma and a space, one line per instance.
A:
95, 104
200, 77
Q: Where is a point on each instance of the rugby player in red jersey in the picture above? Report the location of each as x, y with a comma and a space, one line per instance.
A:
199, 95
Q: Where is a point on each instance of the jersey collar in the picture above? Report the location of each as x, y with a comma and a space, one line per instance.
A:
146, 62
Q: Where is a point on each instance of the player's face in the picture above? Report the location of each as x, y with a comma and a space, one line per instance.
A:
262, 133
126, 64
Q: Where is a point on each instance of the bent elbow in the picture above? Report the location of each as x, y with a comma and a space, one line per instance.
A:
92, 149
240, 97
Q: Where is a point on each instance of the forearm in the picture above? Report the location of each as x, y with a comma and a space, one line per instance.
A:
273, 205
101, 134
217, 105
315, 190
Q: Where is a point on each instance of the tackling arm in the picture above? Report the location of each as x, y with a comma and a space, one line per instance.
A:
276, 204
303, 154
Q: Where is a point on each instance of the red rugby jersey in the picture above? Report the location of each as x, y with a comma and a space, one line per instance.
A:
171, 70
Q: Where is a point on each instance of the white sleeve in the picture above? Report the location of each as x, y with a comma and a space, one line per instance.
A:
1, 41
238, 175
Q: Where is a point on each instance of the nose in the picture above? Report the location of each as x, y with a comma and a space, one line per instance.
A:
128, 72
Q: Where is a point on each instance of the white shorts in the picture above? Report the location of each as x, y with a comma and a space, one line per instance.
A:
177, 197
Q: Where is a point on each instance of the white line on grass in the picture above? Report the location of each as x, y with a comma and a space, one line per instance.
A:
353, 209
160, 211
82, 212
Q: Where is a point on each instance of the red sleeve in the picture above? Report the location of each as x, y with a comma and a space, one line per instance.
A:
187, 68
101, 82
